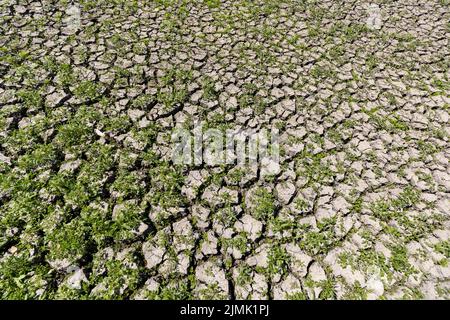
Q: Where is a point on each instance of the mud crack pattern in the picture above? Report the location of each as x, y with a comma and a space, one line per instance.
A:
92, 206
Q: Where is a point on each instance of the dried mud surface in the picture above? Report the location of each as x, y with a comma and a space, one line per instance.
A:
91, 205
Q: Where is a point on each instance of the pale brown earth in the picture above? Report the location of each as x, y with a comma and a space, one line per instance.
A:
91, 205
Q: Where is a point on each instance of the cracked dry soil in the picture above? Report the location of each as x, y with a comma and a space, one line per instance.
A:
91, 205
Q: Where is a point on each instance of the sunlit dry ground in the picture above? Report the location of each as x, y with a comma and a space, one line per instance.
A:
92, 207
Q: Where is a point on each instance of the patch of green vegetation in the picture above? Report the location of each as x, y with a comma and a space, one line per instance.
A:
88, 90
443, 247
328, 289
172, 89
278, 260
208, 87
212, 3
212, 292
31, 99
356, 292
127, 221
413, 294
21, 278
391, 209
265, 207
244, 275
166, 181
70, 241
120, 281
317, 242
176, 290
239, 242
299, 295
399, 260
